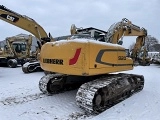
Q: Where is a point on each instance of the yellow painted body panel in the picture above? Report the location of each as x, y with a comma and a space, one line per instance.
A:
93, 57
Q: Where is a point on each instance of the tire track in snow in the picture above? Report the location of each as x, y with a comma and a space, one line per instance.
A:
79, 115
21, 100
9, 101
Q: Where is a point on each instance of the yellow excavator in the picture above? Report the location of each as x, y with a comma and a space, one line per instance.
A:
115, 35
30, 25
82, 61
16, 51
91, 65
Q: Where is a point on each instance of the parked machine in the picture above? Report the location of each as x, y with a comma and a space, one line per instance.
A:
87, 64
30, 25
155, 57
16, 51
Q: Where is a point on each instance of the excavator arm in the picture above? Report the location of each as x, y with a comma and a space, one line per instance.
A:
140, 40
23, 22
124, 28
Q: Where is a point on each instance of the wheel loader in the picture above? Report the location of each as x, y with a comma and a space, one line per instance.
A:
93, 67
16, 51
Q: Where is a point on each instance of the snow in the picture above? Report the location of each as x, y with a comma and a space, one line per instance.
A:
82, 40
21, 99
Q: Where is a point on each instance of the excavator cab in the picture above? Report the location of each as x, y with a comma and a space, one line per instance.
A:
19, 47
95, 33
16, 51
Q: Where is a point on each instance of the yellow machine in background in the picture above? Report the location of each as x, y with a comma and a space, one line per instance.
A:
30, 25
125, 27
86, 62
16, 51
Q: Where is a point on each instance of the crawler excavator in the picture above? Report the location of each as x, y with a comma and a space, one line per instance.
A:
30, 25
115, 35
16, 51
91, 66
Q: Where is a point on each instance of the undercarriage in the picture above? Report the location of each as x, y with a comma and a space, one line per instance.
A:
95, 93
32, 66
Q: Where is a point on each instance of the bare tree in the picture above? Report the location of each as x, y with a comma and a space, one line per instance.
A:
150, 42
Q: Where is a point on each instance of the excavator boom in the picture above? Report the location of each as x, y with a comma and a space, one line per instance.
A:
24, 22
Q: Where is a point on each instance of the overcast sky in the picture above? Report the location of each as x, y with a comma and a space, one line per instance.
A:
57, 16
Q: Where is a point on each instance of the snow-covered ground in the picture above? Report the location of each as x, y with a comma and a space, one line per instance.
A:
20, 99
